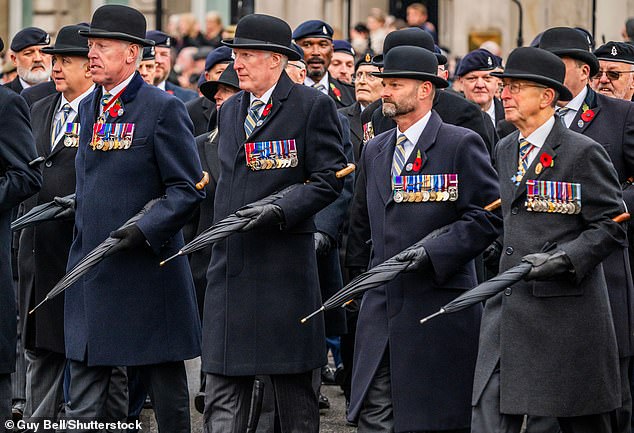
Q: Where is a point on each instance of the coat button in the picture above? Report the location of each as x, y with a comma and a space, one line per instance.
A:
515, 210
509, 251
508, 291
49, 164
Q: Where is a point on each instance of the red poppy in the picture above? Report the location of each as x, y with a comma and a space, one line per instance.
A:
171, 92
546, 159
114, 110
587, 115
335, 91
417, 164
267, 109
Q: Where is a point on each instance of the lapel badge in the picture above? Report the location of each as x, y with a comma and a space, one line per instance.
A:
409, 166
259, 123
580, 123
538, 168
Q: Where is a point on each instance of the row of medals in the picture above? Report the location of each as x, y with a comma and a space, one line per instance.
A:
538, 204
105, 145
271, 163
421, 196
71, 140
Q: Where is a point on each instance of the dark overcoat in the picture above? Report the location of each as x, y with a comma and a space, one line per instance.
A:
342, 93
554, 340
431, 367
261, 283
128, 310
181, 93
18, 181
203, 113
353, 112
43, 252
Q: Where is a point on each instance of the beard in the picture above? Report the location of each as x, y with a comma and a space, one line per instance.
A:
34, 77
392, 109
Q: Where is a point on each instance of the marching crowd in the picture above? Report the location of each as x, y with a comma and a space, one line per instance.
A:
514, 175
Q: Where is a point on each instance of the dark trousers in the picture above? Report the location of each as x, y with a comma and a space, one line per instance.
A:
376, 415
486, 416
228, 400
166, 384
5, 400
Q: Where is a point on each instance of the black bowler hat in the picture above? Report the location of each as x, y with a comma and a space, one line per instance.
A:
478, 60
616, 52
69, 42
412, 36
118, 22
263, 32
569, 42
411, 62
228, 78
28, 37
539, 66
340, 46
219, 55
313, 29
160, 39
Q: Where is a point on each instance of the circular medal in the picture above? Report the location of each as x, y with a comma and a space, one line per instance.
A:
120, 112
411, 197
426, 195
293, 161
68, 141
418, 197
398, 196
453, 193
432, 196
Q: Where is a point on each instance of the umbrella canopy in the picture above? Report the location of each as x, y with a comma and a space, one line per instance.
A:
92, 258
44, 212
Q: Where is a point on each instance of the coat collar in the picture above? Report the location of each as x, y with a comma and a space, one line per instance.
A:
385, 155
591, 101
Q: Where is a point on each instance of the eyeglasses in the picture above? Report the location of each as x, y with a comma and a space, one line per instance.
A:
367, 75
612, 75
515, 88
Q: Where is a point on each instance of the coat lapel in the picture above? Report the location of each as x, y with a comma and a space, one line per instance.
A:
280, 94
43, 142
578, 124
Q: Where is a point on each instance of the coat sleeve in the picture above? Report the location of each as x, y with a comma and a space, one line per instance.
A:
18, 181
180, 170
474, 228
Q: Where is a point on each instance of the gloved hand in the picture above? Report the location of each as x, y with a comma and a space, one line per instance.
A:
418, 259
323, 243
491, 256
68, 204
131, 237
265, 215
548, 265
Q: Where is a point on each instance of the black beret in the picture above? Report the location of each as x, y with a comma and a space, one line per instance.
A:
343, 47
219, 55
160, 39
616, 52
313, 29
28, 37
478, 60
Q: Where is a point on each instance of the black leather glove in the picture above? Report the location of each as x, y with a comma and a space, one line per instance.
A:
548, 265
265, 215
323, 243
418, 259
68, 204
491, 256
131, 237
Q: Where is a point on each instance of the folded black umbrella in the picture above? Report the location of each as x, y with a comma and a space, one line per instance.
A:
234, 223
92, 258
44, 212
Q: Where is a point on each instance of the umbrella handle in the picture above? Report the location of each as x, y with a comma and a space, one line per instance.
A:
346, 170
493, 205
621, 218
204, 181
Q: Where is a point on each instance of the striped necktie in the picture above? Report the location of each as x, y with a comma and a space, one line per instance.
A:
319, 87
525, 149
60, 124
561, 112
398, 162
252, 117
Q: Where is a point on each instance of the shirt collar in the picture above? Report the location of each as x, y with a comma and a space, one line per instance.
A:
538, 137
414, 132
324, 81
265, 97
577, 101
491, 112
161, 85
74, 104
25, 85
119, 86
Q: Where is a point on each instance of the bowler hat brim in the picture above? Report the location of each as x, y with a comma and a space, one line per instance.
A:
378, 59
70, 51
104, 34
564, 93
209, 88
435, 79
254, 44
584, 56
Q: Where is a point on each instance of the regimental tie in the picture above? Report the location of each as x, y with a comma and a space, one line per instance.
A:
104, 101
60, 125
561, 111
398, 162
252, 117
319, 87
525, 149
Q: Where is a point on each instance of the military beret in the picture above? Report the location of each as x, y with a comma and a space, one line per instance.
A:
28, 37
616, 52
219, 55
313, 29
343, 47
478, 60
148, 53
160, 39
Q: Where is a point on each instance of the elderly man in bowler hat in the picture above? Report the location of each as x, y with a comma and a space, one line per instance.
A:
547, 343
18, 182
415, 178
616, 74
135, 145
260, 282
